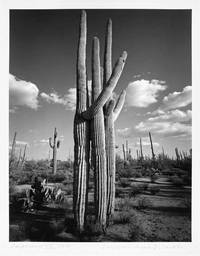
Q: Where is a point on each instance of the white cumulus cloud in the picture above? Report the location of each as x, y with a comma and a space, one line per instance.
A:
177, 99
173, 115
142, 93
22, 93
68, 100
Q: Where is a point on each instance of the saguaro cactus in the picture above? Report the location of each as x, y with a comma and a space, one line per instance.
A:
84, 113
141, 153
163, 153
177, 154
23, 157
111, 116
137, 153
19, 158
55, 145
127, 151
152, 151
124, 152
12, 153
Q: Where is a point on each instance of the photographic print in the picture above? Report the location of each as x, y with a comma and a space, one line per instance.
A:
100, 125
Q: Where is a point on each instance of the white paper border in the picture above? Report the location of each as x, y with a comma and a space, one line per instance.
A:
134, 248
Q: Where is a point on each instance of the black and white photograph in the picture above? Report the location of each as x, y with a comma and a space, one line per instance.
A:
99, 145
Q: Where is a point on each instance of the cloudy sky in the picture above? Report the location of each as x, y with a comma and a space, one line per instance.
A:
157, 77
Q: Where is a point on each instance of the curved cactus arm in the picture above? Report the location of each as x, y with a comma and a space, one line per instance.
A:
107, 70
119, 105
58, 143
110, 108
107, 90
50, 143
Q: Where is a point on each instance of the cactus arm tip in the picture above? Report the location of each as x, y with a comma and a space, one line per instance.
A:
110, 107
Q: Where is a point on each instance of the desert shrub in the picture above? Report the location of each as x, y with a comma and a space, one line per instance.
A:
124, 204
177, 181
56, 178
125, 172
42, 165
30, 165
154, 190
143, 203
22, 177
64, 165
122, 218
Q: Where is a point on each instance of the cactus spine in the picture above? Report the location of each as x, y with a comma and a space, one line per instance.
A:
54, 146
82, 132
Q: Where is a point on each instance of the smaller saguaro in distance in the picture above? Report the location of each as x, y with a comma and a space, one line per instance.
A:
55, 145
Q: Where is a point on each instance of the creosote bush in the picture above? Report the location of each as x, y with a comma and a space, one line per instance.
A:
123, 217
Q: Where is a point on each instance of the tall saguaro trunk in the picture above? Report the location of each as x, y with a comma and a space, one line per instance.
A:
81, 132
54, 146
98, 142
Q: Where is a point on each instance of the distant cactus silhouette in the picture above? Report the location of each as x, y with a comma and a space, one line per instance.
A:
152, 150
55, 145
12, 153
